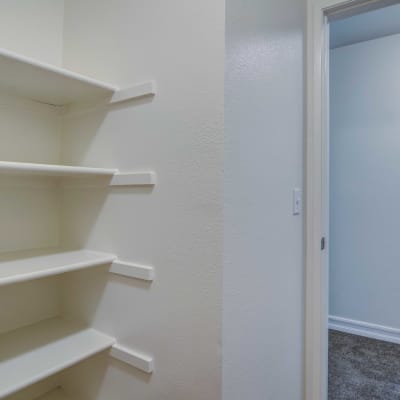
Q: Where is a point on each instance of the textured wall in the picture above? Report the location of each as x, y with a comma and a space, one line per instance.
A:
177, 227
263, 272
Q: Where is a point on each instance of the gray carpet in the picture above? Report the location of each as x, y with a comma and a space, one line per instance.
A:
362, 368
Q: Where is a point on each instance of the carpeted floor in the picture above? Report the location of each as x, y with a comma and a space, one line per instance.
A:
362, 368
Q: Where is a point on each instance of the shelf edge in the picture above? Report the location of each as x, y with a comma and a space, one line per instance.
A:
107, 259
108, 343
11, 167
58, 70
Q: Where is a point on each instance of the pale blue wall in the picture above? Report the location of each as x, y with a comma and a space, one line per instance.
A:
371, 25
365, 182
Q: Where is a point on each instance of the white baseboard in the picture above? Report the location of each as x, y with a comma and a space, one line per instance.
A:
366, 329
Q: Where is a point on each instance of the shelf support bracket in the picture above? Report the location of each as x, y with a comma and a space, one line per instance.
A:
133, 179
138, 360
130, 270
139, 90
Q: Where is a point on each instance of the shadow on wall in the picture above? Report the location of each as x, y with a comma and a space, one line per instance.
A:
83, 199
90, 286
88, 122
99, 368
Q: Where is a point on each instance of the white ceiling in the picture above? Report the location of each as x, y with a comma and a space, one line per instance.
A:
367, 26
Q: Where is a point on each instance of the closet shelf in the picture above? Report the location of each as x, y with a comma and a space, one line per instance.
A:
116, 178
57, 86
30, 354
47, 83
35, 264
10, 167
57, 394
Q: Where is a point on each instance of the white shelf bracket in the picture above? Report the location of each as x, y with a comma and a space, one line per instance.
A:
133, 92
133, 179
135, 359
132, 270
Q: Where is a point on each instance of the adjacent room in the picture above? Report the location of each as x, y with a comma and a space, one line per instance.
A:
364, 270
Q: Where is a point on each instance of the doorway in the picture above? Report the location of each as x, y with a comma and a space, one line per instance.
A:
364, 168
353, 164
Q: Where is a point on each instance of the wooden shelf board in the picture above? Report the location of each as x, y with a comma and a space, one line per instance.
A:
33, 353
28, 265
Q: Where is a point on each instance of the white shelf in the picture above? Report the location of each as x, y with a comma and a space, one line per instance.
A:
46, 83
29, 265
52, 170
31, 354
9, 167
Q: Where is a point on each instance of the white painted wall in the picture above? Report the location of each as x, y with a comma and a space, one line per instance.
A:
33, 28
365, 171
177, 227
263, 269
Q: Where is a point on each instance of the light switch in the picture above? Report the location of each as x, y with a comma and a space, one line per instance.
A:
297, 201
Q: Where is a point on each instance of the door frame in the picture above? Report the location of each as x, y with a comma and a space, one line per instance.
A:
319, 13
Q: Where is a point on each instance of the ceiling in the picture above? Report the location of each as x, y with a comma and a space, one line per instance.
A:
366, 26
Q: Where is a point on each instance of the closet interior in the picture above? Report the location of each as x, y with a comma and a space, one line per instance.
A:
66, 200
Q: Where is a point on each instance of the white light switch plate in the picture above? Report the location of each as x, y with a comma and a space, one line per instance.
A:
297, 201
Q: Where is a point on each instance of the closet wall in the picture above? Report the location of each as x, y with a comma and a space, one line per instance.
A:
175, 226
33, 28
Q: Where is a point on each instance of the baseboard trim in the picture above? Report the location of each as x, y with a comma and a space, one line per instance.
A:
365, 329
